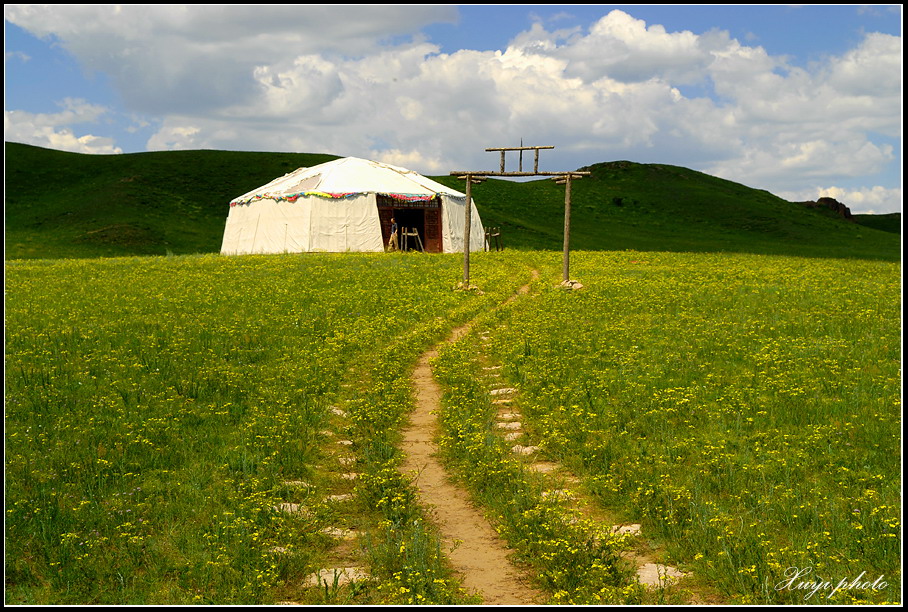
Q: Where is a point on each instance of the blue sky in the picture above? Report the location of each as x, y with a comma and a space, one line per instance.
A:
801, 100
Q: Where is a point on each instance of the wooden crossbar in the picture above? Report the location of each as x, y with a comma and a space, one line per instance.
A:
478, 176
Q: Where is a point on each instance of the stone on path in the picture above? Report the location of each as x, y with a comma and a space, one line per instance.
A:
339, 533
345, 575
571, 284
296, 483
339, 498
519, 449
544, 467
656, 574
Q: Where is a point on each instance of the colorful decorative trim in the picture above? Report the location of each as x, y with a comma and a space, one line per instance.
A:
293, 197
410, 198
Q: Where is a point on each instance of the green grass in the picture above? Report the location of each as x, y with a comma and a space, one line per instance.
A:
891, 222
728, 376
74, 205
575, 560
745, 409
156, 409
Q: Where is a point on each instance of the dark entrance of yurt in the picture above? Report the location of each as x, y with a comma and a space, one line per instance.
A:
423, 217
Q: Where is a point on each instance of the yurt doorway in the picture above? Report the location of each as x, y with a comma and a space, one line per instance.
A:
423, 217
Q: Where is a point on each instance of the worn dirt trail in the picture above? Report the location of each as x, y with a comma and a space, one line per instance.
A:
479, 554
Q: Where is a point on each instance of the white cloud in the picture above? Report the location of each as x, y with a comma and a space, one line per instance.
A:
431, 164
875, 200
176, 137
624, 48
54, 131
875, 66
310, 84
17, 55
787, 163
865, 200
177, 59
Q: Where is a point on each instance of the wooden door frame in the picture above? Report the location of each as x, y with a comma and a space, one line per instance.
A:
389, 207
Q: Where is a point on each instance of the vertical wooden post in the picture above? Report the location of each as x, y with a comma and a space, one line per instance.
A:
466, 232
565, 268
560, 177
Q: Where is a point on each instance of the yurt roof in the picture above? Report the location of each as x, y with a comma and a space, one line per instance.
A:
346, 177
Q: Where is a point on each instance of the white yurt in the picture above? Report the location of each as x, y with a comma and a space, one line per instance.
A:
347, 205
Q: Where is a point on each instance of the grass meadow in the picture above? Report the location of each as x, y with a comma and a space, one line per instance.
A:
159, 410
745, 409
156, 409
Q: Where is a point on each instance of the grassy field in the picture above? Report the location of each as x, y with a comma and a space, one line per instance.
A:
729, 377
745, 409
159, 410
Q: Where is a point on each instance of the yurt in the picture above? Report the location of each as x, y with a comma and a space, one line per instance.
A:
347, 205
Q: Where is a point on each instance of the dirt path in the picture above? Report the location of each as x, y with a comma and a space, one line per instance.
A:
479, 554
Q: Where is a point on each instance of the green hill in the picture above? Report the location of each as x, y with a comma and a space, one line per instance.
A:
890, 222
625, 205
62, 204
74, 205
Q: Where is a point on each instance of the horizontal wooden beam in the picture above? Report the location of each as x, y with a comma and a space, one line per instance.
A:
566, 175
495, 173
518, 148
473, 179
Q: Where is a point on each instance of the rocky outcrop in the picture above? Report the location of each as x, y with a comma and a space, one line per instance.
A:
830, 204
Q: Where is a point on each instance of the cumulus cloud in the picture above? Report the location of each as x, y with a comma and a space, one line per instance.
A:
325, 79
53, 131
874, 200
624, 48
866, 200
175, 59
176, 137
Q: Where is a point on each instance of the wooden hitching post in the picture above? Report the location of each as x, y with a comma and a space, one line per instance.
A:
468, 214
566, 260
560, 177
466, 235
567, 229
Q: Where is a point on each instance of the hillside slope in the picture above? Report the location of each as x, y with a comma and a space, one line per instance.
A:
626, 205
74, 205
62, 204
